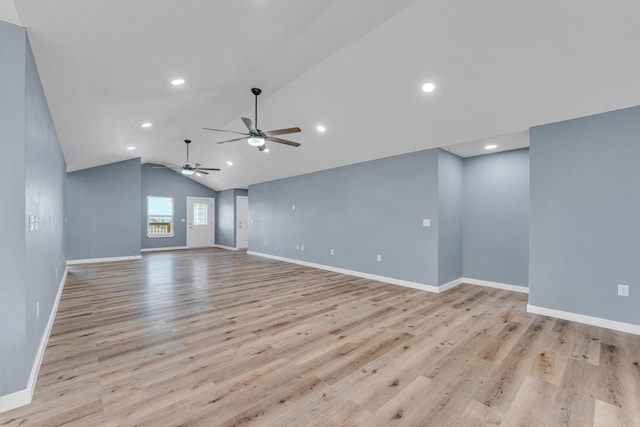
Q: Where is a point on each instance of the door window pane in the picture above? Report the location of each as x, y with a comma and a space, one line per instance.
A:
200, 214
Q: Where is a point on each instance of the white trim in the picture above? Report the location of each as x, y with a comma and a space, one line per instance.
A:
406, 283
629, 328
236, 219
173, 216
497, 285
211, 200
172, 248
229, 248
23, 397
160, 236
93, 260
450, 285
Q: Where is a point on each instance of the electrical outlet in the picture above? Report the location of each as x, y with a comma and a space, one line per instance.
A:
302, 248
623, 290
297, 247
265, 243
293, 207
332, 252
379, 258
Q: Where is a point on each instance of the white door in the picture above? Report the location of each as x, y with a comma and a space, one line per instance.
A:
242, 222
200, 222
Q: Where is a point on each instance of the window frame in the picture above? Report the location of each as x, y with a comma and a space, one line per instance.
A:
171, 222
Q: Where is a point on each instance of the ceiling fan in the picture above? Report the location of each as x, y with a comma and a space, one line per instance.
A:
256, 137
188, 168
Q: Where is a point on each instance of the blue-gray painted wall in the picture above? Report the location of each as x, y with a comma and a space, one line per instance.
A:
496, 217
226, 216
103, 211
32, 262
164, 182
450, 207
585, 232
360, 211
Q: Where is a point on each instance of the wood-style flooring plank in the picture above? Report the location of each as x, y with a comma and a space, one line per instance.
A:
221, 338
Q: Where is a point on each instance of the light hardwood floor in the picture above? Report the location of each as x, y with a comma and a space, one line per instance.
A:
220, 338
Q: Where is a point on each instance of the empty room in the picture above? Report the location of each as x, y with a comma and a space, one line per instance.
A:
304, 213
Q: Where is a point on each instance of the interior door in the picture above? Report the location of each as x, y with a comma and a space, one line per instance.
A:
242, 222
200, 219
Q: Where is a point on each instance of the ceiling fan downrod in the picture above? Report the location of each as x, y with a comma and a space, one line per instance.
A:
256, 92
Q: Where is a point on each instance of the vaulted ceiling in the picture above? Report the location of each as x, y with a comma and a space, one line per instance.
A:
355, 66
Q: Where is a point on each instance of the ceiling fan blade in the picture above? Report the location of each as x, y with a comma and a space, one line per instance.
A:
171, 165
208, 169
229, 131
249, 125
201, 171
166, 167
231, 140
282, 131
283, 141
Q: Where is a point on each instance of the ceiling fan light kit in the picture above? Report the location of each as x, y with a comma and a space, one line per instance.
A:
255, 141
256, 137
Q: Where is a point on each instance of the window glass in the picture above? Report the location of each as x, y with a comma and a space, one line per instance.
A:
159, 216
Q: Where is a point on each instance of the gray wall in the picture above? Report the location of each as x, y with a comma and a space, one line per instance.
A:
44, 196
32, 262
164, 182
496, 217
225, 219
103, 211
360, 211
13, 366
450, 207
585, 233
226, 216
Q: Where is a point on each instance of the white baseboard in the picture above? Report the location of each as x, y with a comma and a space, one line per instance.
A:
94, 260
450, 285
229, 248
23, 397
497, 285
588, 320
393, 281
173, 248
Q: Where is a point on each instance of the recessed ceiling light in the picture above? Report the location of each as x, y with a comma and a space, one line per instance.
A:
177, 82
131, 148
229, 162
321, 128
428, 87
146, 125
490, 146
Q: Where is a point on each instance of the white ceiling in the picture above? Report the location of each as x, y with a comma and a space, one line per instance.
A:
355, 66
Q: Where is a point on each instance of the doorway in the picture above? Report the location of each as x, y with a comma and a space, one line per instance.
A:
200, 220
242, 222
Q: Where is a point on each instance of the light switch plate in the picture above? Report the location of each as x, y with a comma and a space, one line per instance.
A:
623, 290
426, 222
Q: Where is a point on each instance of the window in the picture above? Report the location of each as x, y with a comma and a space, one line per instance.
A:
159, 216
